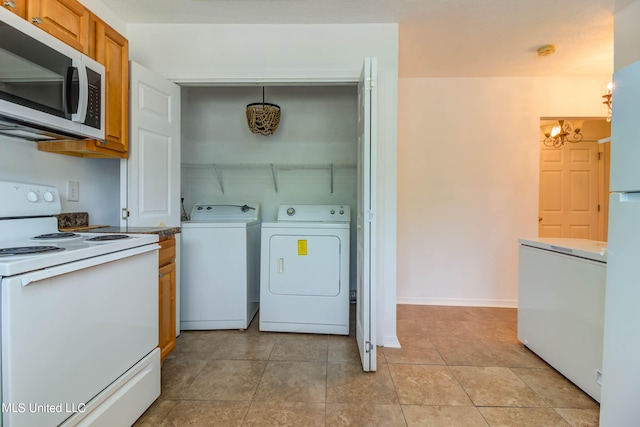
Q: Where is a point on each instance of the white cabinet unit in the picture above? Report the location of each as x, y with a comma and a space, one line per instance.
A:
561, 286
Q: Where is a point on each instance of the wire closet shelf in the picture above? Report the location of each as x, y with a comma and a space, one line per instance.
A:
273, 167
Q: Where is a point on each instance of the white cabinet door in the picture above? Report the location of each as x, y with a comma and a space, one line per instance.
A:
366, 225
625, 129
151, 174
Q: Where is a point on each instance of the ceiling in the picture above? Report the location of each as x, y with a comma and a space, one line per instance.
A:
438, 38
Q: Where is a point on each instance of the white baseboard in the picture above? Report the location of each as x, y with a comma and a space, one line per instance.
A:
458, 302
391, 342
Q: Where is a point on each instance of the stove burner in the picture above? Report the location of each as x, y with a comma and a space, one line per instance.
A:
108, 237
56, 236
29, 250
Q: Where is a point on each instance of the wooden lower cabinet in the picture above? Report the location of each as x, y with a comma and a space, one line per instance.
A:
167, 296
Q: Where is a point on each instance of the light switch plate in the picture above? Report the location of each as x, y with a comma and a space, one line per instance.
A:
73, 191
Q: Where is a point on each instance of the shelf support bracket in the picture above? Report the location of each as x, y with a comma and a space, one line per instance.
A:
273, 175
218, 171
331, 178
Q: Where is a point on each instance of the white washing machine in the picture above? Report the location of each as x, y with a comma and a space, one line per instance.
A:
304, 270
220, 270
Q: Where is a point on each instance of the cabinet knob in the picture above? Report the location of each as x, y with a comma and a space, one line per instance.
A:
160, 274
36, 20
10, 4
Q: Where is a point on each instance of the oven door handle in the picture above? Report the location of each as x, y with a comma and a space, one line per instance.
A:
47, 273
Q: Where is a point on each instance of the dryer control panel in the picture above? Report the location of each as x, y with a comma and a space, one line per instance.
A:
315, 213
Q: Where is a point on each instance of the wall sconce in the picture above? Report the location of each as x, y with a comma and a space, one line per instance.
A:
560, 134
607, 101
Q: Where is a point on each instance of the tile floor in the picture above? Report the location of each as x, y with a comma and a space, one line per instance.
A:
458, 366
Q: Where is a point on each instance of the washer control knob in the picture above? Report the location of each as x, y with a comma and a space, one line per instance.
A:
291, 211
48, 196
333, 211
32, 196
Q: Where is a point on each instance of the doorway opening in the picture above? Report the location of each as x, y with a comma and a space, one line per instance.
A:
574, 181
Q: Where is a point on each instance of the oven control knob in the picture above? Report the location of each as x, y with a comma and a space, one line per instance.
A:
291, 211
333, 211
341, 212
48, 196
32, 196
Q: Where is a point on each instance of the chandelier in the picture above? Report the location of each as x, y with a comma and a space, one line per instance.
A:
561, 133
607, 101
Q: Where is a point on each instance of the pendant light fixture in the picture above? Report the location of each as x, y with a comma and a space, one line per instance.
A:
263, 117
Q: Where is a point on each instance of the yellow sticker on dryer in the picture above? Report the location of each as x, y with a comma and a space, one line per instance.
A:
302, 247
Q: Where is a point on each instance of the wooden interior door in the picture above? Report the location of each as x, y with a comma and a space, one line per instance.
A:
569, 191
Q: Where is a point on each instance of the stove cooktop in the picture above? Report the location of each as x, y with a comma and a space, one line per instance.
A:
28, 254
28, 250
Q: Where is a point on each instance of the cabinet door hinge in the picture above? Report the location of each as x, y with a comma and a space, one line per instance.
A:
370, 83
600, 155
125, 213
598, 208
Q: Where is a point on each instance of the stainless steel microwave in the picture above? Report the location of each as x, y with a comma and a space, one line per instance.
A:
48, 90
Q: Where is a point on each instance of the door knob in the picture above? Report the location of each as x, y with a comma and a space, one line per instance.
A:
539, 218
10, 4
36, 20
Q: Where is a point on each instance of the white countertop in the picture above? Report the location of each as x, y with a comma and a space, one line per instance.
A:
584, 248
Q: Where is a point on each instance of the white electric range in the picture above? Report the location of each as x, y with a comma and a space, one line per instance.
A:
79, 317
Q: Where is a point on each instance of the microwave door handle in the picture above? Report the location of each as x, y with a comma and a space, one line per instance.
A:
83, 93
70, 101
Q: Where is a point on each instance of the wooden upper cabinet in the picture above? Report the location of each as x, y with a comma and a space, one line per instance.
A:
67, 20
111, 49
19, 7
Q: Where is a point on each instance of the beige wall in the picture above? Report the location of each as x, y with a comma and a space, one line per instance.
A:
468, 180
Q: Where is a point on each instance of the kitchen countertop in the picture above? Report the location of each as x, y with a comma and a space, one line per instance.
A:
79, 222
160, 231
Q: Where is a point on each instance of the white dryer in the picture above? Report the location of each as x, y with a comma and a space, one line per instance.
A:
220, 270
304, 270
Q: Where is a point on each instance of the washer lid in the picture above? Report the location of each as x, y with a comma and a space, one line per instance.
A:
230, 212
314, 213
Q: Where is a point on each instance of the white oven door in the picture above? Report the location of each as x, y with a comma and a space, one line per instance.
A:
70, 331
